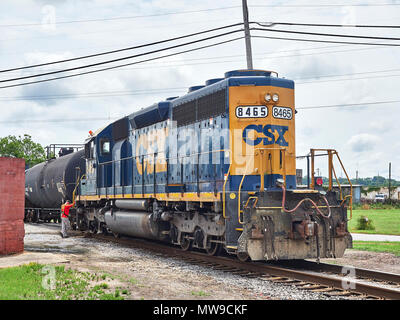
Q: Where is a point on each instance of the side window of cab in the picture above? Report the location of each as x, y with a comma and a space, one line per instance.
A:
105, 146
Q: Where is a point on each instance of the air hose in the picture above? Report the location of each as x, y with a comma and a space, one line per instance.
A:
303, 200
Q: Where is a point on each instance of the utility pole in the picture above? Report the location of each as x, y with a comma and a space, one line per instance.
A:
247, 35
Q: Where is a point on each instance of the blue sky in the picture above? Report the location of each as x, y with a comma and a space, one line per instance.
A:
36, 31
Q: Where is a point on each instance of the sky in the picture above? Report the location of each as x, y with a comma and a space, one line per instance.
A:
325, 74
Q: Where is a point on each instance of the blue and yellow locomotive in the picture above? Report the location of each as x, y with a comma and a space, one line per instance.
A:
213, 169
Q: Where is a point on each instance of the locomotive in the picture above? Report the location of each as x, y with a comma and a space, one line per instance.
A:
214, 169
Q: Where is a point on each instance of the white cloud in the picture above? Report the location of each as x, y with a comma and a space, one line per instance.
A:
363, 142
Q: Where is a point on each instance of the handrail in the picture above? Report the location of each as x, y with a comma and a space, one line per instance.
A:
223, 190
76, 186
330, 153
240, 187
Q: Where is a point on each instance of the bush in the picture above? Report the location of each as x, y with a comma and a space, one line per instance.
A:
364, 223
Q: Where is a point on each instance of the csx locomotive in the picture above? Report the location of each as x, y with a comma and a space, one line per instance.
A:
212, 169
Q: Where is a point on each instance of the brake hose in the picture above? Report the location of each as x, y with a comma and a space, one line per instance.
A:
303, 200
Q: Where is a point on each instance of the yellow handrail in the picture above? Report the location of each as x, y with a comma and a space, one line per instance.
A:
240, 188
330, 153
76, 186
223, 191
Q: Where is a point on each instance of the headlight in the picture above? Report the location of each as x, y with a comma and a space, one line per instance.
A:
275, 97
268, 97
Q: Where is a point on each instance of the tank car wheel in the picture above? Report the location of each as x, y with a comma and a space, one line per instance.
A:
214, 249
243, 256
186, 244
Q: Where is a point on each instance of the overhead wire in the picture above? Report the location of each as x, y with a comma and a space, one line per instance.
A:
123, 65
120, 59
125, 49
121, 18
271, 24
82, 119
329, 41
327, 34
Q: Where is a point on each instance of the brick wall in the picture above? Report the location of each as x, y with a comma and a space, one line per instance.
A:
12, 202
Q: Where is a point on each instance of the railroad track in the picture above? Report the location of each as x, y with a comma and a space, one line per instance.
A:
322, 278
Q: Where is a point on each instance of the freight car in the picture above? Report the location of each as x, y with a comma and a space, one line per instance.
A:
50, 183
213, 169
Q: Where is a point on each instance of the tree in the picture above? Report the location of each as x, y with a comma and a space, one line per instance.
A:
22, 147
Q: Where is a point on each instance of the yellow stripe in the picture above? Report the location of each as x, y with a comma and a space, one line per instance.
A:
204, 197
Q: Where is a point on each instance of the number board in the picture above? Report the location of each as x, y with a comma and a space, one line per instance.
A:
282, 113
251, 112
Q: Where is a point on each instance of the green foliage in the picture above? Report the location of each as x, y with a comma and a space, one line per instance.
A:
373, 183
22, 147
364, 223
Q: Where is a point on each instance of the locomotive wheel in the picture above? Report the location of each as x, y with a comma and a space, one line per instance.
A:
186, 244
243, 256
214, 249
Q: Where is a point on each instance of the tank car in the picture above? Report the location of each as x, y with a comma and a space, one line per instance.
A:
50, 183
213, 169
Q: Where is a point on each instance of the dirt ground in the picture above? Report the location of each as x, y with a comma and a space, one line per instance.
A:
147, 276
386, 262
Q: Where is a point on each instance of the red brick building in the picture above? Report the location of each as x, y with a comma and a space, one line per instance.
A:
12, 202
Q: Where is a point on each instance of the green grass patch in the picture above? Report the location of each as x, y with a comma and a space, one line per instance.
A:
39, 282
200, 293
384, 221
378, 246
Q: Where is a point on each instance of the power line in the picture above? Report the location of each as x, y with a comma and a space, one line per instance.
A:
331, 41
93, 94
350, 105
174, 89
241, 55
121, 59
326, 34
121, 18
85, 119
59, 120
124, 49
122, 65
271, 24
325, 5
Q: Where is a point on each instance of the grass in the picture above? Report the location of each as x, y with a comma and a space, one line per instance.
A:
378, 246
26, 283
200, 293
384, 221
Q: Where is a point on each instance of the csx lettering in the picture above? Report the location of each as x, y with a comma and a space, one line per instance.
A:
273, 134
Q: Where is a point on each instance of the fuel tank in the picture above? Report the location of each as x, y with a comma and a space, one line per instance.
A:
132, 223
50, 183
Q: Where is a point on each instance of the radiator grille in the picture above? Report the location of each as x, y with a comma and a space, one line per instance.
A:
202, 108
